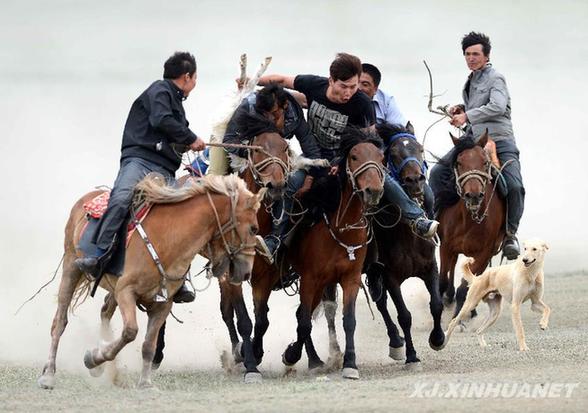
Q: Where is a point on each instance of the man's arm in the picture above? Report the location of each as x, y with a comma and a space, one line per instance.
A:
284, 81
162, 119
393, 114
496, 105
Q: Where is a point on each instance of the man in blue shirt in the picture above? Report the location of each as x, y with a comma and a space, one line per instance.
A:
384, 105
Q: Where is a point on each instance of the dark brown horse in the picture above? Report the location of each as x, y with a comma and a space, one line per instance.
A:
474, 226
333, 250
216, 211
402, 253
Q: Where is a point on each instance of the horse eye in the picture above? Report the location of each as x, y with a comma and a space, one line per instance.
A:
353, 158
253, 230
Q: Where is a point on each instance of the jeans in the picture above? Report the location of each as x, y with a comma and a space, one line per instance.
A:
295, 182
442, 179
132, 170
394, 194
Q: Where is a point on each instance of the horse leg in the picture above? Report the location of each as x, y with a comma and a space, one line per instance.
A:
245, 327
350, 287
227, 312
261, 293
396, 343
437, 336
106, 313
478, 267
330, 306
314, 361
158, 356
293, 352
405, 321
127, 304
157, 315
447, 275
69, 280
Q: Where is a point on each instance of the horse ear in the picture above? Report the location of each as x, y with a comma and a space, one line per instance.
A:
409, 128
484, 139
454, 139
259, 197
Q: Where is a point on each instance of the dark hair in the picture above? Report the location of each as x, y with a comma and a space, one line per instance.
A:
373, 71
268, 96
473, 38
344, 67
179, 64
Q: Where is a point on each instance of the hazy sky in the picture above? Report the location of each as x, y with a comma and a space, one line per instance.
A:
69, 71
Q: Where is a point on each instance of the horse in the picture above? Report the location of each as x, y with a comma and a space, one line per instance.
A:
401, 253
214, 212
333, 249
474, 226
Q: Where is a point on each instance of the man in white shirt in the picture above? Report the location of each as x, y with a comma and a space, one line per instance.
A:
385, 105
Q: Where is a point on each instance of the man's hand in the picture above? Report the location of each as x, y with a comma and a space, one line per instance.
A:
198, 145
305, 187
459, 119
455, 110
334, 170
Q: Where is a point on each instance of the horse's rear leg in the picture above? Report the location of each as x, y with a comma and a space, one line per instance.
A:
437, 337
69, 280
330, 306
127, 304
261, 293
106, 313
405, 321
396, 343
159, 347
350, 287
157, 315
245, 327
447, 276
228, 313
293, 352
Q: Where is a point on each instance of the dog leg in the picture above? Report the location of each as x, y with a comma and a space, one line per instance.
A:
495, 308
540, 307
471, 301
518, 325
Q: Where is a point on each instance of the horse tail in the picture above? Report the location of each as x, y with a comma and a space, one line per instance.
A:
466, 270
81, 293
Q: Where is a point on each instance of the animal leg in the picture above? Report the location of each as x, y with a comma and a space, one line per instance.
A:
157, 315
69, 279
350, 287
405, 321
330, 305
495, 308
245, 327
261, 293
540, 307
228, 313
518, 325
437, 337
395, 343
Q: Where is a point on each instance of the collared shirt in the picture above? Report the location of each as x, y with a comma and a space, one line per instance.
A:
387, 109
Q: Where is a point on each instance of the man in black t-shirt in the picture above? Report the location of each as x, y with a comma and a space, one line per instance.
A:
333, 104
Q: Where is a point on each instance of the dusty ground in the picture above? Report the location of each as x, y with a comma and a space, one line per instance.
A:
557, 356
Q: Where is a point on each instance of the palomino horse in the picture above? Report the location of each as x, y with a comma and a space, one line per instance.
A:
218, 212
333, 250
402, 253
475, 226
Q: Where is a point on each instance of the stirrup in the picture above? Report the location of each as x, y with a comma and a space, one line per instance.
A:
262, 249
161, 297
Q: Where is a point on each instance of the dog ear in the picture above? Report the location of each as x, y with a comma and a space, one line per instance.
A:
545, 246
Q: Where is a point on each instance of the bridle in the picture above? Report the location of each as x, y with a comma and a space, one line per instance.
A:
397, 170
483, 177
257, 168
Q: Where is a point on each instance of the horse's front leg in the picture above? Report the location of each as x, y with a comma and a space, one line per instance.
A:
447, 274
227, 312
330, 306
245, 327
396, 342
157, 315
350, 285
261, 284
405, 321
293, 352
437, 337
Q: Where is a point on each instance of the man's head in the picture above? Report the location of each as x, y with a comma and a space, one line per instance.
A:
272, 102
370, 79
181, 69
476, 50
343, 77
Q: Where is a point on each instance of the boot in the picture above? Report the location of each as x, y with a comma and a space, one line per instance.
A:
510, 247
185, 294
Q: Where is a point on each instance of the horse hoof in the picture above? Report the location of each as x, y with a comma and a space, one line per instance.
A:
350, 373
237, 353
461, 327
315, 366
96, 371
413, 365
46, 381
253, 377
89, 360
146, 385
285, 360
396, 353
437, 344
155, 366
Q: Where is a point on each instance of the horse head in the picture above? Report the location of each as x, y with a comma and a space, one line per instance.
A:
233, 246
405, 157
363, 165
471, 165
270, 164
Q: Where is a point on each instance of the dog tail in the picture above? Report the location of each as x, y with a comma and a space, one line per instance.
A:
467, 272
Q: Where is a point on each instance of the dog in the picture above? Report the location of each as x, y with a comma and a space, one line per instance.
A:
516, 283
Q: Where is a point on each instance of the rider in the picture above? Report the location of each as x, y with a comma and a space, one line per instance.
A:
487, 106
272, 102
333, 104
385, 105
156, 129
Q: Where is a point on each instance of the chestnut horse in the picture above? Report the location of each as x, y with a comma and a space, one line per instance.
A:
401, 253
333, 250
218, 212
474, 226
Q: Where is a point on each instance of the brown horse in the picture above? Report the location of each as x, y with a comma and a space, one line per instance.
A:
403, 254
218, 212
474, 226
333, 250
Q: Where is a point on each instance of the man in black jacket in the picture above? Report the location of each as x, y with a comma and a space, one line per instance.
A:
155, 135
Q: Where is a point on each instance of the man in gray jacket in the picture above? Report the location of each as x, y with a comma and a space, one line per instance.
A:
487, 106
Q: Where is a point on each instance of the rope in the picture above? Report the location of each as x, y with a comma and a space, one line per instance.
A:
43, 286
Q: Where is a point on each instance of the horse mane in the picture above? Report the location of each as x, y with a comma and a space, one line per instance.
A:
154, 189
326, 190
463, 144
253, 124
387, 130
